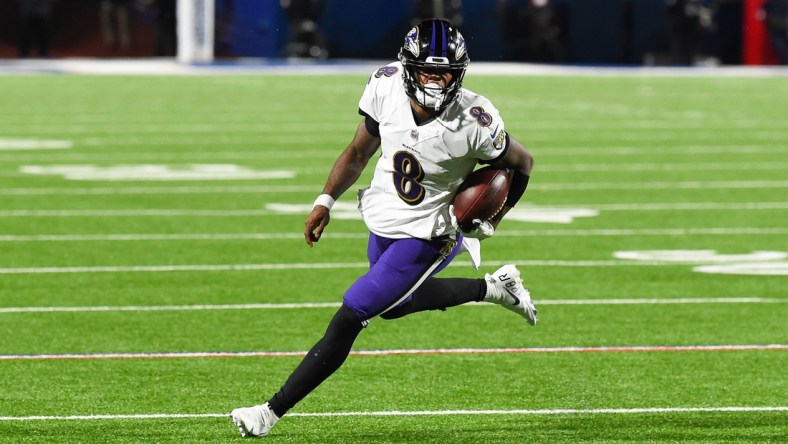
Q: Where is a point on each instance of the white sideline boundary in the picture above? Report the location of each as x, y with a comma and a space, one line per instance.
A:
386, 413
306, 305
263, 66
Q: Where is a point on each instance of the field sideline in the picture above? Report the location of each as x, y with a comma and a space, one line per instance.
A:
153, 274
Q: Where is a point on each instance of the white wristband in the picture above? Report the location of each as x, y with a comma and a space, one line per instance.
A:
325, 200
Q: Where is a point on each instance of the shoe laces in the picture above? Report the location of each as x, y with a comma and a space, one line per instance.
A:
267, 414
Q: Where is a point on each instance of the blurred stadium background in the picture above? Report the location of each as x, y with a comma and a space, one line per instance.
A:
655, 32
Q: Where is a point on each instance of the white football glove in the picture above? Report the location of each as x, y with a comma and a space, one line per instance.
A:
481, 230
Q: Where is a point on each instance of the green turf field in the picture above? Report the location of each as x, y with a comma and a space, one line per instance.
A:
137, 217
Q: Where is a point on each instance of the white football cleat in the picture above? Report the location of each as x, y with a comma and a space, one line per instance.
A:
254, 422
505, 287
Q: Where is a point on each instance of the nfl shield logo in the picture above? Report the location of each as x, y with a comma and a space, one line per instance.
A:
414, 134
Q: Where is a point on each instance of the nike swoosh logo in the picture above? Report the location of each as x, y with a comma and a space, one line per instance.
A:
495, 132
516, 299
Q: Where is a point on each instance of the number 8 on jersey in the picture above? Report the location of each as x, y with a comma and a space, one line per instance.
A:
407, 175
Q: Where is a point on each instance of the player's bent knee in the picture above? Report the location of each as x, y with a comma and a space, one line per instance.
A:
345, 321
358, 310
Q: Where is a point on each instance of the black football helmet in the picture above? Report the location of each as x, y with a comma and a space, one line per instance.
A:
433, 45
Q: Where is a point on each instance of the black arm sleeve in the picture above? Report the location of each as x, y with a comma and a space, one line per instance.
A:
517, 188
373, 127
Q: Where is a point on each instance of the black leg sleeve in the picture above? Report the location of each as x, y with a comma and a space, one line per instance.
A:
322, 361
439, 294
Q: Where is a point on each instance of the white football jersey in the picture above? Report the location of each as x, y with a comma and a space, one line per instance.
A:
421, 167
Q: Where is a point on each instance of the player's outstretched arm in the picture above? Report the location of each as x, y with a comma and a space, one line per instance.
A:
345, 172
520, 160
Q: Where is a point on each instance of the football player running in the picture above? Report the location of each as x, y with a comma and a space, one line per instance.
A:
431, 133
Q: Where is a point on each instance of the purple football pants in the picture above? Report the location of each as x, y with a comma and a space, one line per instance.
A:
397, 268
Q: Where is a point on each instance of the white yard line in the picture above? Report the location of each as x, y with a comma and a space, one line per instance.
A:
715, 150
685, 185
31, 144
161, 156
660, 301
171, 268
251, 212
41, 168
197, 307
324, 127
289, 133
164, 212
305, 305
169, 237
317, 265
260, 189
396, 413
400, 352
682, 206
649, 232
144, 123
124, 237
659, 166
154, 190
190, 156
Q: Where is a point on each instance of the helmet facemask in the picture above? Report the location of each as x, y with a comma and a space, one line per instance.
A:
432, 96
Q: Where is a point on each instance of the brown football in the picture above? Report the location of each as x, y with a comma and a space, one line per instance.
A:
481, 196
